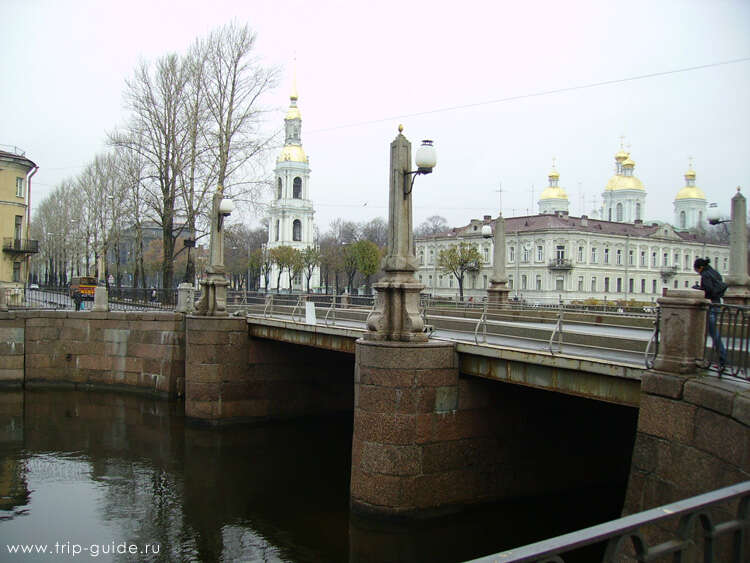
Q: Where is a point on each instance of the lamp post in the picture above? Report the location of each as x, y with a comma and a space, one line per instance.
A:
738, 292
213, 301
396, 314
498, 290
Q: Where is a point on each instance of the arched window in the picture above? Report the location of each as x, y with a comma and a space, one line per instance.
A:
297, 191
619, 212
638, 211
276, 236
683, 220
278, 189
297, 230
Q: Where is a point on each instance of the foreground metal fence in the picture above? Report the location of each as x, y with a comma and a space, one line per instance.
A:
695, 519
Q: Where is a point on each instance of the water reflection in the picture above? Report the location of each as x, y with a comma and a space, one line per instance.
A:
101, 470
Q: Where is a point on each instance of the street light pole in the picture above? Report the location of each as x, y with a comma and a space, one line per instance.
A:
396, 314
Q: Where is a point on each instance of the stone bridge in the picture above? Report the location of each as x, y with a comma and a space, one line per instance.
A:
439, 425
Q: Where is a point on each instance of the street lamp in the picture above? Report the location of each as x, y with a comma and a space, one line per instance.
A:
396, 314
738, 280
426, 159
714, 216
213, 301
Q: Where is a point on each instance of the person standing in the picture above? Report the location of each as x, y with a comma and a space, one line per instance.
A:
713, 287
77, 298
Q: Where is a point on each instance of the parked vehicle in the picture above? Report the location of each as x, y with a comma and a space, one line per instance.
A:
34, 286
85, 285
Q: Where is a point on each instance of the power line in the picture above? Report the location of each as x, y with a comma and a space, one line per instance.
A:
536, 94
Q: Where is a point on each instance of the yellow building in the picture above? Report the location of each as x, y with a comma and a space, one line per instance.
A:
15, 173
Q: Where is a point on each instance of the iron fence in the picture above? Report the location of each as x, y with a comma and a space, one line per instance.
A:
728, 353
137, 298
696, 520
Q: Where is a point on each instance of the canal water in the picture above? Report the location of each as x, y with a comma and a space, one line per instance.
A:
120, 477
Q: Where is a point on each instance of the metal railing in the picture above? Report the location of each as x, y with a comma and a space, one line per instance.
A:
624, 535
733, 326
21, 245
136, 298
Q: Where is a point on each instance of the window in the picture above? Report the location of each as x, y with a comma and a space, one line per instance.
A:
580, 254
606, 285
666, 259
580, 283
560, 253
525, 255
486, 255
638, 211
593, 255
420, 279
450, 282
654, 260
619, 212
432, 256
429, 281
683, 220
559, 284
643, 258
593, 285
297, 190
643, 285
484, 282
16, 271
687, 261
606, 255
675, 284
540, 253
20, 187
297, 230
676, 261
511, 254
687, 284
276, 236
17, 233
631, 257
619, 257
726, 265
510, 282
630, 285
539, 283
619, 285
278, 189
524, 283
421, 260
653, 286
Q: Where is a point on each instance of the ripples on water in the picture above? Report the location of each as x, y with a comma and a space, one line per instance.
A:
105, 471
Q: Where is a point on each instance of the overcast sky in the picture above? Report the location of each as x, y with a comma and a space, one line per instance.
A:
473, 76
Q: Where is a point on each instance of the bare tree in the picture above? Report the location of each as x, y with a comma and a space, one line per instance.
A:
157, 132
432, 226
234, 83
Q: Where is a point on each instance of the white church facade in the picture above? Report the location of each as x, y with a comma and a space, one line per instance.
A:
291, 213
552, 255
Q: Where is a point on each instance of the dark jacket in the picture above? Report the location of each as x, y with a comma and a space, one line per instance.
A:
712, 284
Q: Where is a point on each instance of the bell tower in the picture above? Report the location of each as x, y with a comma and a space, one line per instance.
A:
291, 212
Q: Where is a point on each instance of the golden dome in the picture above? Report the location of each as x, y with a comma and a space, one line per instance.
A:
624, 183
293, 153
553, 192
293, 112
621, 155
690, 192
628, 162
553, 174
690, 174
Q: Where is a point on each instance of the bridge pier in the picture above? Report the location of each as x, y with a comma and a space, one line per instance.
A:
405, 403
693, 431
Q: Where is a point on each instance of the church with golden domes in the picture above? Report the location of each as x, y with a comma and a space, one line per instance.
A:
612, 254
291, 213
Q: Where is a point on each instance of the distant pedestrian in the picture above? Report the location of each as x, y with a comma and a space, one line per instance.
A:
713, 287
77, 299
153, 294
